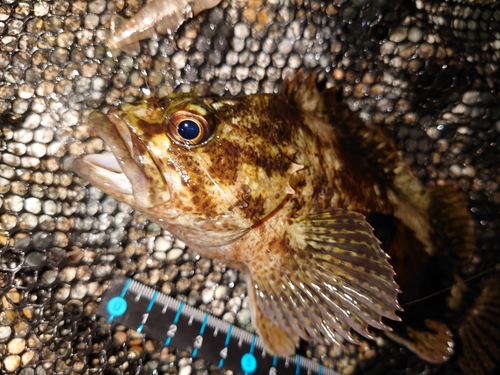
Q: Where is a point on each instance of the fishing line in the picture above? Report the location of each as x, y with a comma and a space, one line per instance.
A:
488, 270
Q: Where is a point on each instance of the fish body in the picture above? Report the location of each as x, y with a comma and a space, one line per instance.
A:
297, 192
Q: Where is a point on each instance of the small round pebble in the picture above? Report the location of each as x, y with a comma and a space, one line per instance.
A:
11, 362
243, 317
207, 295
415, 35
5, 332
174, 254
16, 345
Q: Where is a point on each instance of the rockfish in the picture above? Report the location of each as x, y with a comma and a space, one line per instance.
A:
299, 194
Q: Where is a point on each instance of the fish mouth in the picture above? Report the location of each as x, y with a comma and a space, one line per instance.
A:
127, 173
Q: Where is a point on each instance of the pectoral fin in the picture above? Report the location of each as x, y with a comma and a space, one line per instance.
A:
276, 340
328, 275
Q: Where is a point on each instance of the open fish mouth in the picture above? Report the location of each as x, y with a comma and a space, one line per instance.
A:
127, 172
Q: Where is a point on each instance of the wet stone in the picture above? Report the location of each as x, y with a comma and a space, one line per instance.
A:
20, 106
59, 56
5, 332
12, 362
16, 346
470, 97
91, 21
398, 35
65, 39
72, 23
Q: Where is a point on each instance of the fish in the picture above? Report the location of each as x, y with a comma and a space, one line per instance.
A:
162, 17
314, 206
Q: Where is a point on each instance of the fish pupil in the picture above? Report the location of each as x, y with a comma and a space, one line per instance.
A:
188, 129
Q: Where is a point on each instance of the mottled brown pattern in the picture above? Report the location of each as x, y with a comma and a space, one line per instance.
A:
279, 190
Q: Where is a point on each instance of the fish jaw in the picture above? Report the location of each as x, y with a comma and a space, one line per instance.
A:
127, 173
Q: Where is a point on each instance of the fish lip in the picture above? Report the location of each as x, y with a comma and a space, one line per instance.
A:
117, 173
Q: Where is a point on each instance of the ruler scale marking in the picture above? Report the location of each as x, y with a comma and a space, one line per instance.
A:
172, 322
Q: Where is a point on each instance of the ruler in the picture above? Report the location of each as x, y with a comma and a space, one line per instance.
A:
178, 325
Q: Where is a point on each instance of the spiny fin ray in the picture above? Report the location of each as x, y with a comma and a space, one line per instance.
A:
331, 278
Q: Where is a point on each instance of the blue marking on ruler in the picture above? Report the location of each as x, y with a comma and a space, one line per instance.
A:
253, 344
297, 368
320, 370
248, 361
148, 310
202, 331
275, 361
176, 319
226, 343
117, 305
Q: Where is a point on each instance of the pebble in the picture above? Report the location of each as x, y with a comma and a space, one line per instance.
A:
5, 332
174, 254
221, 292
11, 363
470, 97
16, 346
185, 370
399, 34
414, 34
243, 317
207, 295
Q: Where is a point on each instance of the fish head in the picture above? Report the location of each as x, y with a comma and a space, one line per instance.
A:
206, 169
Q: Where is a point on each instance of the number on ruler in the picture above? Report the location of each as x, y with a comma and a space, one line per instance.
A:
198, 342
223, 353
172, 330
272, 371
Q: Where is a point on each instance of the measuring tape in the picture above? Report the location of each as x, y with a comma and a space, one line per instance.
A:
173, 323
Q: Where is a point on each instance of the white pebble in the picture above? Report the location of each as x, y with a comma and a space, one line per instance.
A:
23, 136
91, 21
29, 162
174, 254
241, 30
207, 295
415, 35
186, 370
32, 121
50, 207
33, 205
70, 117
97, 6
179, 60
37, 149
159, 255
162, 244
11, 362
55, 148
16, 345
41, 8
11, 160
5, 332
243, 317
221, 291
43, 135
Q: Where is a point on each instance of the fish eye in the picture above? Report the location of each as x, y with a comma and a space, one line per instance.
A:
188, 128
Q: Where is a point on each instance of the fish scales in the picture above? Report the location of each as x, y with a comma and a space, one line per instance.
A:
278, 186
298, 193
